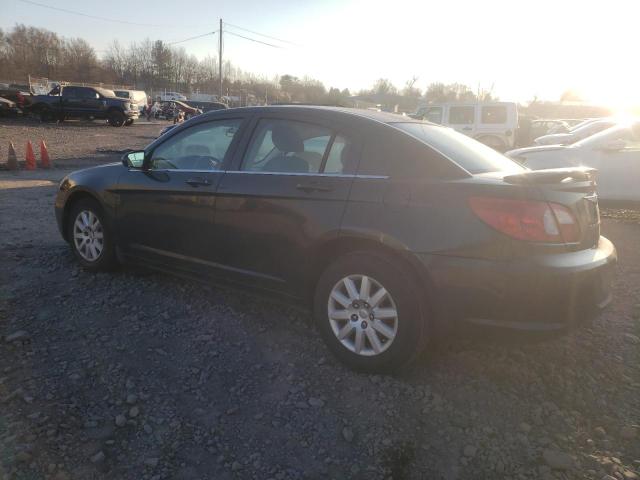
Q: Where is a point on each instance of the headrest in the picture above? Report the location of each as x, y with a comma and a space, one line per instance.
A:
286, 139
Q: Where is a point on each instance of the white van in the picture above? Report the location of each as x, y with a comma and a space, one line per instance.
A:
138, 97
493, 124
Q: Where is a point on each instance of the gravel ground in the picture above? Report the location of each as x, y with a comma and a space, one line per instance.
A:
76, 143
137, 375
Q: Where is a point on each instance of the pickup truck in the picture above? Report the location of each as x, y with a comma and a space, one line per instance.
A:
84, 102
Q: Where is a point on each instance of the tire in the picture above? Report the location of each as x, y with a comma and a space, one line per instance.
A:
116, 118
403, 337
86, 212
128, 122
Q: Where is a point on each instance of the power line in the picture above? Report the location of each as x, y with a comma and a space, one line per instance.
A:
261, 34
95, 17
193, 38
253, 39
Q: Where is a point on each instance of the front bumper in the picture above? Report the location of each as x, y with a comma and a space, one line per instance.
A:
542, 292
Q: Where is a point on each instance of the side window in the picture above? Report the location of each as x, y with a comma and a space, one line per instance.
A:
286, 146
201, 147
433, 115
494, 114
89, 94
461, 115
70, 92
342, 157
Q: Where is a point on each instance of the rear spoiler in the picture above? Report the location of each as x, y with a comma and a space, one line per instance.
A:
553, 175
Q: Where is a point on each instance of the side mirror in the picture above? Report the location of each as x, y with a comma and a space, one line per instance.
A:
133, 159
613, 145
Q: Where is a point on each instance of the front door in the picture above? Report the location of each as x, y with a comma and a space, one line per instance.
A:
287, 192
166, 210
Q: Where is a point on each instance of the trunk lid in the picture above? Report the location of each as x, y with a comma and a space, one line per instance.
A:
575, 188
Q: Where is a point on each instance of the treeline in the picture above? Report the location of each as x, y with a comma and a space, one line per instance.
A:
155, 65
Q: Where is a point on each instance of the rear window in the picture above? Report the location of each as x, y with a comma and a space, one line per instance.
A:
470, 154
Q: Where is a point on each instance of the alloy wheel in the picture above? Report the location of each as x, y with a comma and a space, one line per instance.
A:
88, 235
363, 315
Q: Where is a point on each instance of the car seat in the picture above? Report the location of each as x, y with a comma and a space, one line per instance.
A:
287, 141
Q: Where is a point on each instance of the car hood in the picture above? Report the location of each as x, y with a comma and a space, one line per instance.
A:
538, 149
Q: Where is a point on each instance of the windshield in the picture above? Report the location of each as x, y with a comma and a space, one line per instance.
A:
581, 124
470, 154
105, 93
609, 134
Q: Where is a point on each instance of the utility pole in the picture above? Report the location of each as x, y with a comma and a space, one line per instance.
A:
220, 59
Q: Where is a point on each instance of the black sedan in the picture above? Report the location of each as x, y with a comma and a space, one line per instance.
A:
386, 227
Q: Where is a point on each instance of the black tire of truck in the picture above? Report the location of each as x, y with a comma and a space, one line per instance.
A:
116, 118
129, 122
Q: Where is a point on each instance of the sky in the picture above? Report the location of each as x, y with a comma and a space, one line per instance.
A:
522, 49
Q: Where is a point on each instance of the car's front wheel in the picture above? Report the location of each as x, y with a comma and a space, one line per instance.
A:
116, 118
89, 236
128, 122
368, 311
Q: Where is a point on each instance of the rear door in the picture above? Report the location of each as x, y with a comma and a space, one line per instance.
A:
166, 211
286, 192
463, 119
72, 101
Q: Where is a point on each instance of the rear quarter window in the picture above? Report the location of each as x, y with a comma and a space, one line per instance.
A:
388, 152
464, 151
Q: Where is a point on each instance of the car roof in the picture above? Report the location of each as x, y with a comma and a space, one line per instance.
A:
380, 117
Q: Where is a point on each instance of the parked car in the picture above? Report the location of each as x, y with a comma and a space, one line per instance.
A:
614, 152
171, 109
386, 227
84, 102
139, 97
546, 126
8, 108
168, 96
575, 134
21, 98
207, 106
493, 124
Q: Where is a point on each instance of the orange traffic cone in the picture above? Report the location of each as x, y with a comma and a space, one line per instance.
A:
30, 158
45, 161
12, 160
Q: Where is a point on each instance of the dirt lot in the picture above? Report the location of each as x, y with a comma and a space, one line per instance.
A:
134, 375
76, 143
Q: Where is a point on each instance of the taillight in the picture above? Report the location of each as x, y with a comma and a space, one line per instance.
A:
528, 220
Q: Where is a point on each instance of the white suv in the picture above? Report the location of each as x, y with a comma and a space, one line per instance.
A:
493, 124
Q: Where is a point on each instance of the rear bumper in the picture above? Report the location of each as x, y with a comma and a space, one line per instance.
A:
544, 292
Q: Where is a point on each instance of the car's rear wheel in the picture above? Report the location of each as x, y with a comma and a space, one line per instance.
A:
116, 119
128, 123
368, 312
89, 236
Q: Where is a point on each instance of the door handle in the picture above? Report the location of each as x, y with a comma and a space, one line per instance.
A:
467, 128
312, 187
198, 182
